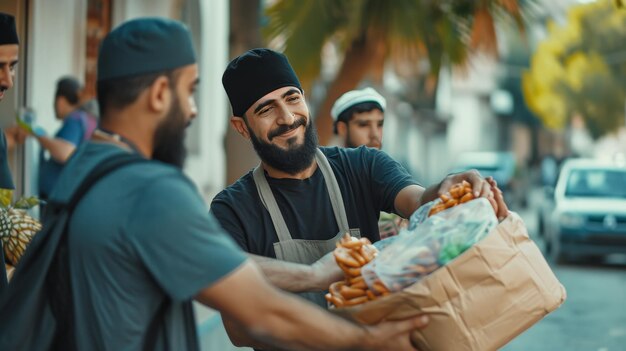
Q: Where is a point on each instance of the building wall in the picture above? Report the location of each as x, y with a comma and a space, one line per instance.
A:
125, 10
55, 48
464, 95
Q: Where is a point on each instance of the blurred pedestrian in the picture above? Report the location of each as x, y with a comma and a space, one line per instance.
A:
77, 127
359, 116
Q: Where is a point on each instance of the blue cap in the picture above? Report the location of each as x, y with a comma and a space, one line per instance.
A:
143, 46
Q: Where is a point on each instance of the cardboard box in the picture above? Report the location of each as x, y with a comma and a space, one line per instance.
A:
481, 300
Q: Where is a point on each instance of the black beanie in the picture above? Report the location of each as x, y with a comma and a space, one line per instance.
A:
253, 75
8, 33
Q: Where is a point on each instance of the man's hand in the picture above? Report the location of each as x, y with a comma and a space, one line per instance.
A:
394, 335
28, 126
325, 272
480, 185
503, 209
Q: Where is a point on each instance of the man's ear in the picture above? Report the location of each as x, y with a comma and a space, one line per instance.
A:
240, 126
342, 129
160, 95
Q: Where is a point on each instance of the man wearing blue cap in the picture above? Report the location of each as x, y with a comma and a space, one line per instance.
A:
141, 244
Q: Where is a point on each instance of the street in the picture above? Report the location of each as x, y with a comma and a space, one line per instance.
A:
593, 318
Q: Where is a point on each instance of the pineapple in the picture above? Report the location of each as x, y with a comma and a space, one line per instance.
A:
17, 228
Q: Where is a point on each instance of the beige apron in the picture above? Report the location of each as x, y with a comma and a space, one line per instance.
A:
300, 250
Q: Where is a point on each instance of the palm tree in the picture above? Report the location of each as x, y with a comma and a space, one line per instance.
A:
371, 33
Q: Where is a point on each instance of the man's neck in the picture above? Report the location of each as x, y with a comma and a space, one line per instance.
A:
278, 174
133, 135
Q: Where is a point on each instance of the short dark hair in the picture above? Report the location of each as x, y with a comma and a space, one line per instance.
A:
347, 115
118, 93
69, 88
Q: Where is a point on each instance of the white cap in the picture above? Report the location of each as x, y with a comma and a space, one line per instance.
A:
354, 97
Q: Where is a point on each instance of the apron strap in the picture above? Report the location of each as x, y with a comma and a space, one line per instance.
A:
334, 192
269, 201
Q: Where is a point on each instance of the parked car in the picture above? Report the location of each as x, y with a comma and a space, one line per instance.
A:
589, 217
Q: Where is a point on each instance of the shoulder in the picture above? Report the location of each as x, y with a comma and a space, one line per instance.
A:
75, 117
359, 157
237, 203
155, 179
244, 189
338, 153
133, 177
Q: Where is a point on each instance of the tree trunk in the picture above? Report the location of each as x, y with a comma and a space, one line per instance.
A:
358, 60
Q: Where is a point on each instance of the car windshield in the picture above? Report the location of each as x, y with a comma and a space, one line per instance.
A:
596, 183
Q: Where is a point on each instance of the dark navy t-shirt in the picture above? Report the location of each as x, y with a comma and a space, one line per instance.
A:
369, 181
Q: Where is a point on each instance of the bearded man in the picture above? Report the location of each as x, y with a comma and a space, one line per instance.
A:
302, 198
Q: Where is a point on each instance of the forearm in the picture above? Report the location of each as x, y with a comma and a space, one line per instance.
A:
240, 337
60, 150
410, 199
431, 193
278, 318
288, 276
297, 325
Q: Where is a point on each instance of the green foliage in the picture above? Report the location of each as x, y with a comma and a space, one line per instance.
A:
24, 203
581, 69
407, 29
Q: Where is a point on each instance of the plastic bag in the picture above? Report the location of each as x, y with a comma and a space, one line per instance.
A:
429, 243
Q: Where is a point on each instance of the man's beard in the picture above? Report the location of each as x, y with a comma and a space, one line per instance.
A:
169, 138
352, 145
293, 160
349, 143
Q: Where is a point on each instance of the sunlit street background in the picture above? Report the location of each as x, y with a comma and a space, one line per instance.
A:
514, 88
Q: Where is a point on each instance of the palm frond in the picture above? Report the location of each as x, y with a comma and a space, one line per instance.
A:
300, 29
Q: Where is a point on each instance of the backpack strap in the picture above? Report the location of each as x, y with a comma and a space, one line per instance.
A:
153, 329
104, 168
58, 277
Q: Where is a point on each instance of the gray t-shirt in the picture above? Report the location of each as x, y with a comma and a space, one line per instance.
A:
142, 235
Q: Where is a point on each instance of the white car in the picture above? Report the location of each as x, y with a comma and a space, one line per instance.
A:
589, 217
